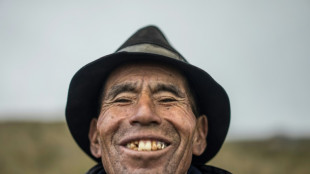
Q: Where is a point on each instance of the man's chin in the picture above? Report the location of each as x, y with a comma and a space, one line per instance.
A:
145, 161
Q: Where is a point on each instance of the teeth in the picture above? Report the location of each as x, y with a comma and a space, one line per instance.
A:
154, 146
141, 146
146, 145
158, 145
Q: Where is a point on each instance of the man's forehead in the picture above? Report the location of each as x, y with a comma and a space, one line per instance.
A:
145, 69
134, 74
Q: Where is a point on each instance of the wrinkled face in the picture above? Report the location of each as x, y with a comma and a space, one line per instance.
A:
146, 124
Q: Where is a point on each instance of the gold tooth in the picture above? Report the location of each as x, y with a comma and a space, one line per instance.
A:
154, 147
132, 145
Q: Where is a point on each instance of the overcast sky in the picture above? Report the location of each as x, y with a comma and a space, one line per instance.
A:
259, 51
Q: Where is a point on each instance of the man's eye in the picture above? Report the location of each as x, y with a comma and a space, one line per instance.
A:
167, 100
122, 100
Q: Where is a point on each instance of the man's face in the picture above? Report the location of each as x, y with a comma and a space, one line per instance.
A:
146, 124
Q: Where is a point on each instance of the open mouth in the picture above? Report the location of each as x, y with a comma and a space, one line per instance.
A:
146, 145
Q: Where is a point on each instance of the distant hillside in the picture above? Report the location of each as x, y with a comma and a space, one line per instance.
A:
32, 147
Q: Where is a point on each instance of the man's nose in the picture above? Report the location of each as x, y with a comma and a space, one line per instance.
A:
145, 113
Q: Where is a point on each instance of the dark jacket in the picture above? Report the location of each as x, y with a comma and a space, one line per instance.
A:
204, 169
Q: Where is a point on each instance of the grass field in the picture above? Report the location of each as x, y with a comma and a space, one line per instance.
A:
48, 148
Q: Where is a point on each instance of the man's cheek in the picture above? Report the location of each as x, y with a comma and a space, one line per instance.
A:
110, 121
184, 123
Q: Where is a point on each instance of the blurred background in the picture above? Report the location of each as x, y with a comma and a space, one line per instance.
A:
257, 50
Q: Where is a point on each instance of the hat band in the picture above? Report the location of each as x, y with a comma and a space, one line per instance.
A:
153, 49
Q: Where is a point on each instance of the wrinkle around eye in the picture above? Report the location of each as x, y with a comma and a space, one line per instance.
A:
170, 100
123, 100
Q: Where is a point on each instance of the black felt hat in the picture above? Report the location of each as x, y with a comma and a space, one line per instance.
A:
147, 44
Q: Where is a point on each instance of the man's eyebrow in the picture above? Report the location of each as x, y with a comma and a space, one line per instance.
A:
119, 88
169, 88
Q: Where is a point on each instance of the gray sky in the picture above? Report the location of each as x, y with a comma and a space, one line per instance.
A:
257, 50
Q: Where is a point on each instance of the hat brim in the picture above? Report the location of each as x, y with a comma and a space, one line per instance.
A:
85, 86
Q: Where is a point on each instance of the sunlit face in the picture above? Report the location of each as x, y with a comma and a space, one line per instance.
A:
146, 124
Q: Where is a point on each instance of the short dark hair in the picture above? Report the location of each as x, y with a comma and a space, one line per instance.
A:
193, 100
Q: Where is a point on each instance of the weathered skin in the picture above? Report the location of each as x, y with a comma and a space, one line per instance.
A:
147, 102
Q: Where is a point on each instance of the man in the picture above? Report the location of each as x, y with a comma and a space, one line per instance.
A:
145, 109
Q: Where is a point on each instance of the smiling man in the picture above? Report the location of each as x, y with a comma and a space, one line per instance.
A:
145, 109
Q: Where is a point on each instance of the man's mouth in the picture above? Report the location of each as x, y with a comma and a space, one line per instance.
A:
146, 145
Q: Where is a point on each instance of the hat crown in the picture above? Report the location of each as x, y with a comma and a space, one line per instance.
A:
149, 35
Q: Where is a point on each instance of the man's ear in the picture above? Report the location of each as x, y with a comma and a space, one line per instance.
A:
200, 142
93, 137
